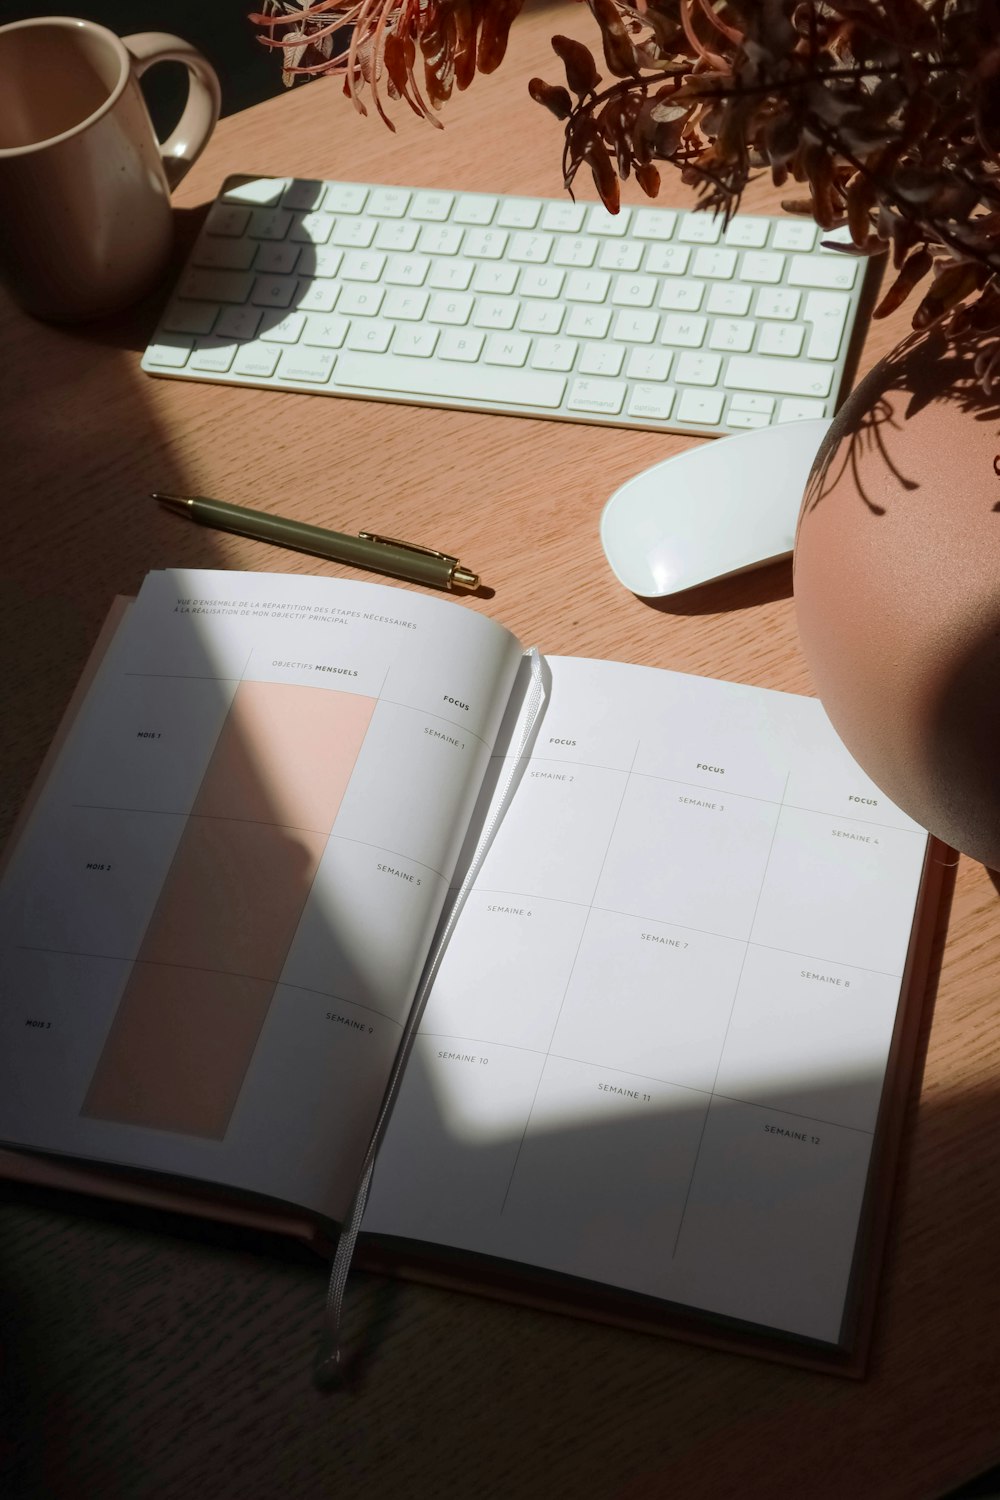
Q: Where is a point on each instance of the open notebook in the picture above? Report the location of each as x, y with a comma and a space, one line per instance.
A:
659, 1072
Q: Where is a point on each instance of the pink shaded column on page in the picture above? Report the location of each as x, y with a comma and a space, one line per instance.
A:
205, 974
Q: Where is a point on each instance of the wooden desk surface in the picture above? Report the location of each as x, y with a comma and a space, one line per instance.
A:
147, 1362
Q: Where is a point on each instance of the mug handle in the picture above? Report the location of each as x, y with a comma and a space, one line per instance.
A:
186, 142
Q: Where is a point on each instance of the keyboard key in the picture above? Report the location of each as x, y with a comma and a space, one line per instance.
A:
388, 203
485, 244
794, 234
415, 343
312, 228
359, 265
621, 255
574, 252
747, 232
634, 291
276, 258
686, 331
286, 330
303, 194
345, 198
653, 224
587, 286
729, 299
274, 291
259, 191
407, 270
777, 302
353, 234
636, 327
256, 360
432, 208
325, 260
212, 355
518, 213
451, 275
455, 309
224, 254
554, 354
498, 280
547, 317
778, 376
374, 337
838, 271
682, 296
465, 346
226, 219
311, 365
238, 322
796, 410
440, 239
715, 264
762, 265
588, 322
415, 377
827, 314
317, 296
405, 306
397, 234
667, 260
703, 408
597, 396
563, 218
544, 282
784, 339
326, 333
495, 312
700, 229
652, 403
474, 209
510, 349
747, 401
532, 249
601, 359
608, 226
649, 364
170, 351
269, 224
735, 335
189, 317
361, 301
697, 369
216, 286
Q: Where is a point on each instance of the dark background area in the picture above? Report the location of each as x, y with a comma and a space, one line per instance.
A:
248, 73
221, 29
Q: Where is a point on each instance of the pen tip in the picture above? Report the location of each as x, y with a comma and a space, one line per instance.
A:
172, 502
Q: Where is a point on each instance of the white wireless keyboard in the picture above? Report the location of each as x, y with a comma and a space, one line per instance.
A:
528, 306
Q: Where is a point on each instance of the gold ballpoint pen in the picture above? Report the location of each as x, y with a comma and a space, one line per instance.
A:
380, 554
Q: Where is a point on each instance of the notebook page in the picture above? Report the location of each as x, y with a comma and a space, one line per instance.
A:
213, 926
654, 1054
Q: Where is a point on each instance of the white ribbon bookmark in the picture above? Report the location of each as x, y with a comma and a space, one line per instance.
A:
331, 1367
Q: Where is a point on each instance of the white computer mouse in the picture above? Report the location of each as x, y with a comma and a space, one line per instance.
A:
726, 506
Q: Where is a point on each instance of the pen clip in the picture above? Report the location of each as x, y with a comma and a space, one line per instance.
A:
395, 541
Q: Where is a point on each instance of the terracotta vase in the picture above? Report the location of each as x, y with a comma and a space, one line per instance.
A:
897, 588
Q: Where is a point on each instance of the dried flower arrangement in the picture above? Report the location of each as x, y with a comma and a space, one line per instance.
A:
885, 114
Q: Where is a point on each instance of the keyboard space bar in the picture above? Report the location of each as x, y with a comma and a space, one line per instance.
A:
395, 375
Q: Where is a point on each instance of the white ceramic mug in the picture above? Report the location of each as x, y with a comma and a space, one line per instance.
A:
86, 225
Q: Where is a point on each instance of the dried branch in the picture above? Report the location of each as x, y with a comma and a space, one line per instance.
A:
885, 113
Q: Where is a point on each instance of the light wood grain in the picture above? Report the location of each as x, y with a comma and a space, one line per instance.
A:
150, 1362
